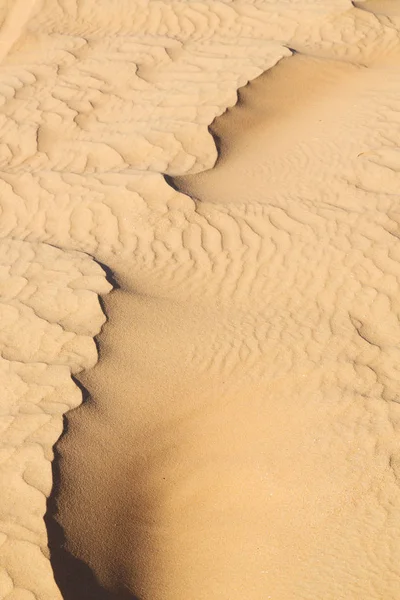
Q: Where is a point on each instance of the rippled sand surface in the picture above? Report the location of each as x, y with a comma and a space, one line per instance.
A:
199, 284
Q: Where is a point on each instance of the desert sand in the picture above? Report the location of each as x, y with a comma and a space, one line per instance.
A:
200, 300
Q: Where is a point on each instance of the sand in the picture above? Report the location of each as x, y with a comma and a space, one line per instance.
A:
199, 283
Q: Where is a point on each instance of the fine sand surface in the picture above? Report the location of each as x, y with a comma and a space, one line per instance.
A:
200, 240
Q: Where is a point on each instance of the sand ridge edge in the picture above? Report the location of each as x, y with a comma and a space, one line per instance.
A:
55, 180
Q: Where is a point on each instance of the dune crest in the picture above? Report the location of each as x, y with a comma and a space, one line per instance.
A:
260, 310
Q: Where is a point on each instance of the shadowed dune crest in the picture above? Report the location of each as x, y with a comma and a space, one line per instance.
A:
74, 578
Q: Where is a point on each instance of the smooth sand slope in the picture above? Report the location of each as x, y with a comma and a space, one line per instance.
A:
240, 430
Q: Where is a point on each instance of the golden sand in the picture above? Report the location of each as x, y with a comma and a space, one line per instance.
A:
200, 241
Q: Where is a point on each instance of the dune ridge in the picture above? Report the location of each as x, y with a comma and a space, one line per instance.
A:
109, 116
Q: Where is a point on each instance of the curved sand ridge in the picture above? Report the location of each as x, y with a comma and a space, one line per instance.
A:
216, 322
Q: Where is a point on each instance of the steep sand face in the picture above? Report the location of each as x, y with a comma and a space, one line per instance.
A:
242, 431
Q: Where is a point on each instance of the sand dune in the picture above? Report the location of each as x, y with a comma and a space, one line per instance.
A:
230, 172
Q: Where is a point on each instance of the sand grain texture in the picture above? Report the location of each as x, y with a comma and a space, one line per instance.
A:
240, 434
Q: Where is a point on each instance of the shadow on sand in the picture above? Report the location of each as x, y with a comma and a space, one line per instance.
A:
74, 578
